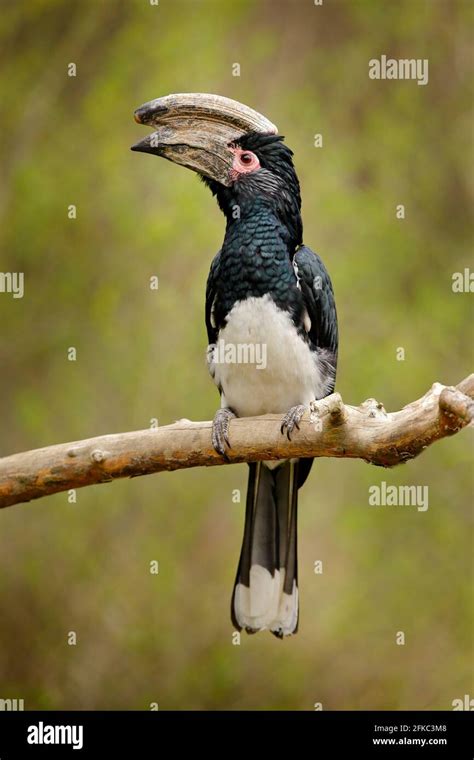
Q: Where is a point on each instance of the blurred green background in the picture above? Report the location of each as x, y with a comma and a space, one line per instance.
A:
84, 567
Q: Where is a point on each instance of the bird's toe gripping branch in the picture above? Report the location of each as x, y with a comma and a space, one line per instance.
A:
292, 420
220, 430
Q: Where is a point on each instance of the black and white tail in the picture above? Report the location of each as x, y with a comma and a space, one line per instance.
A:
266, 587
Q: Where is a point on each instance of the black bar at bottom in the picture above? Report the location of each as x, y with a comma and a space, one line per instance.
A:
375, 734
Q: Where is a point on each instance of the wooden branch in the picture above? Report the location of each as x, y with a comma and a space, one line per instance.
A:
329, 429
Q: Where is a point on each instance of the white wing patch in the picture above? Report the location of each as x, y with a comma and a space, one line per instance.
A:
213, 316
297, 274
306, 319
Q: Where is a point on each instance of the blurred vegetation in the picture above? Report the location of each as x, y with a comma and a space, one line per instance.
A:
84, 567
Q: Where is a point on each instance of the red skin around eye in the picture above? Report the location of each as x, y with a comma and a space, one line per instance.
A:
239, 167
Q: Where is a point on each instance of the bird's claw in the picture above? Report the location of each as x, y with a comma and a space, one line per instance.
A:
220, 430
292, 419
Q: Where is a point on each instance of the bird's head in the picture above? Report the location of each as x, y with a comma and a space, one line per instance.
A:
237, 152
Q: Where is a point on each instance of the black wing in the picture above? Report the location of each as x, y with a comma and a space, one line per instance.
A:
318, 296
210, 296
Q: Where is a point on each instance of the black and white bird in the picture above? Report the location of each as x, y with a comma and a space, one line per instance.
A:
268, 292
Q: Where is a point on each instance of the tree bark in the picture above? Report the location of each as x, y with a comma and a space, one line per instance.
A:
329, 429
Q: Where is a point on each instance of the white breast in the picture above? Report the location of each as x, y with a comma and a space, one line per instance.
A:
261, 363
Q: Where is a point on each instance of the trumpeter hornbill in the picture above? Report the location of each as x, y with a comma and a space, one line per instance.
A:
264, 288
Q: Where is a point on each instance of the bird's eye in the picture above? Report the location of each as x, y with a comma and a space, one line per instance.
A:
244, 162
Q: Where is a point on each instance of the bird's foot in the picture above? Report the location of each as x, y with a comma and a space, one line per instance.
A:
292, 419
220, 430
